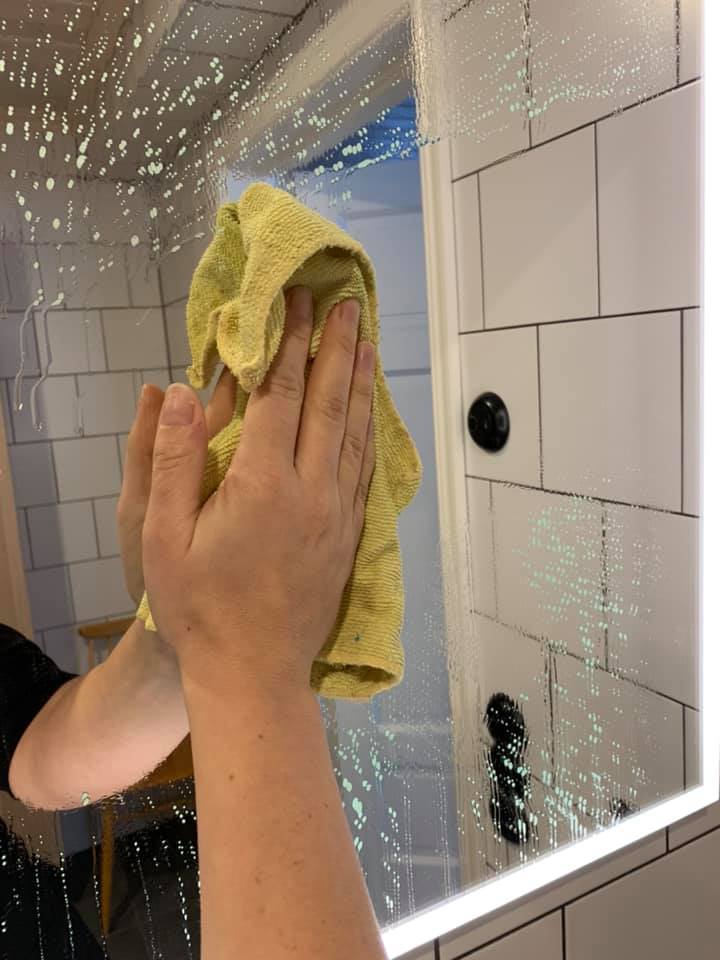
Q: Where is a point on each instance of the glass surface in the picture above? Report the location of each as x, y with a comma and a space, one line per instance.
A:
551, 586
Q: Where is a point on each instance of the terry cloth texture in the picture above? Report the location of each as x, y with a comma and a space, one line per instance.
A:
264, 244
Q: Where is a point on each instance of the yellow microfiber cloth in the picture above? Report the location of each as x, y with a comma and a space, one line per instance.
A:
264, 244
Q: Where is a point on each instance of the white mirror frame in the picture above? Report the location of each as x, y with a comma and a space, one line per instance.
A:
491, 895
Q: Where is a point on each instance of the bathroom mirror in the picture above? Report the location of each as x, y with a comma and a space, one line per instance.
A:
526, 178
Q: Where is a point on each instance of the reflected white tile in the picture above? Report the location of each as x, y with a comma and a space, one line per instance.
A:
160, 378
468, 253
22, 265
177, 334
504, 362
106, 519
539, 234
50, 598
98, 588
62, 533
653, 566
135, 338
615, 743
649, 205
10, 346
692, 406
548, 555
660, 911
694, 826
542, 940
87, 467
691, 39
611, 408
485, 77
24, 540
56, 409
33, 473
176, 270
481, 546
107, 401
65, 647
591, 59
76, 341
143, 277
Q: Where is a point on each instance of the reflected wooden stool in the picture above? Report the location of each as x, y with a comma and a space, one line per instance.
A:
177, 766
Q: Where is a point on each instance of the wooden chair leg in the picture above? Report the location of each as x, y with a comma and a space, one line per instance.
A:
106, 869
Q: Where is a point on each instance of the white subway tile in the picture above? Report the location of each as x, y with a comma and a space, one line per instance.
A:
585, 59
504, 362
76, 341
611, 408
396, 246
474, 935
160, 378
90, 275
87, 468
649, 205
485, 80
177, 334
468, 253
10, 346
404, 343
614, 742
176, 270
664, 911
143, 277
62, 533
23, 275
542, 940
24, 540
66, 648
653, 568
56, 407
539, 234
693, 759
33, 473
50, 598
692, 404
98, 588
695, 826
135, 338
691, 39
481, 546
106, 519
548, 556
108, 402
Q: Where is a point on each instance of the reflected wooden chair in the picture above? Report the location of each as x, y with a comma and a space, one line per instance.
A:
177, 766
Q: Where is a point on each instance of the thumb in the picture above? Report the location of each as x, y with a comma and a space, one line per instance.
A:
179, 459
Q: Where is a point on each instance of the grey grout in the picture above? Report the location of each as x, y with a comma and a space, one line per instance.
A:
678, 37
564, 933
483, 298
29, 538
606, 316
95, 527
539, 390
597, 217
586, 497
682, 410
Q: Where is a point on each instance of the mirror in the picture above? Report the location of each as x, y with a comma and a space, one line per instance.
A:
525, 179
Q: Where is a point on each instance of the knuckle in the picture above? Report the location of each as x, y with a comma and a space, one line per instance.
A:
354, 447
286, 386
168, 456
332, 407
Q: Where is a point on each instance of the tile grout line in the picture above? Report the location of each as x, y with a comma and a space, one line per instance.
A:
587, 497
29, 540
482, 253
564, 932
583, 126
539, 392
165, 322
597, 219
493, 545
604, 581
628, 314
95, 526
685, 751
678, 37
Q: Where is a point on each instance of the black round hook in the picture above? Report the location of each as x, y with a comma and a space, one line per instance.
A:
489, 422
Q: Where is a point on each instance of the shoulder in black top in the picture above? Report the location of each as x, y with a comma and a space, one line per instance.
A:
28, 678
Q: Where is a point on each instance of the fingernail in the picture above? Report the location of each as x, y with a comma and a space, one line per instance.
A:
178, 409
350, 311
141, 396
366, 355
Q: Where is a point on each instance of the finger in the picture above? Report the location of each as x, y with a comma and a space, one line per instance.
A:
356, 429
324, 414
137, 471
221, 405
366, 473
273, 410
178, 464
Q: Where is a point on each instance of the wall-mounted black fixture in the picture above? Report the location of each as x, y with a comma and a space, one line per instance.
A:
508, 768
489, 422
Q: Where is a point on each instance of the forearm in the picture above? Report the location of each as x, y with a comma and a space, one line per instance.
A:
280, 875
104, 731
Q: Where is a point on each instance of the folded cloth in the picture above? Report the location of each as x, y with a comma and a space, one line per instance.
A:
264, 244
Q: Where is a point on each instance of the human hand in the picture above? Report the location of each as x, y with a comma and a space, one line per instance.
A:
137, 472
249, 584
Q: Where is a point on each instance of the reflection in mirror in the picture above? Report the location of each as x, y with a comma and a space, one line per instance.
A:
550, 631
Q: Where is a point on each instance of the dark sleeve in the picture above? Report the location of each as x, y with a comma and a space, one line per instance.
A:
28, 678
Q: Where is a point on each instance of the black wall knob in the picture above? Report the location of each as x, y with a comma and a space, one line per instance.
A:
489, 422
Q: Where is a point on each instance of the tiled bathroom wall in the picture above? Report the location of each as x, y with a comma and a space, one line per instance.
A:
105, 335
